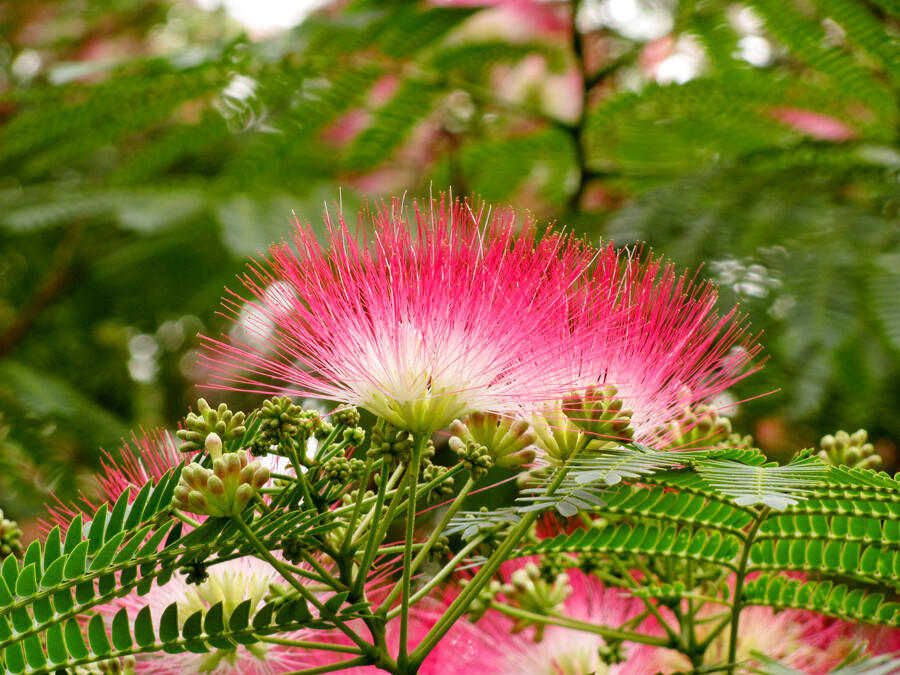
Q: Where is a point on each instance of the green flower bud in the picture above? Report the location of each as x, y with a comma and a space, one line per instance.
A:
323, 430
280, 420
558, 435
225, 490
443, 490
393, 444
195, 572
482, 602
221, 421
530, 591
213, 445
852, 450
598, 412
355, 437
508, 441
341, 470
10, 538
474, 457
346, 415
440, 550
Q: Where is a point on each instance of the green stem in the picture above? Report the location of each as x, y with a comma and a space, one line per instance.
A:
737, 605
357, 507
418, 448
435, 535
440, 576
264, 553
567, 622
305, 644
332, 667
373, 540
648, 603
397, 548
375, 516
327, 576
260, 502
461, 603
186, 518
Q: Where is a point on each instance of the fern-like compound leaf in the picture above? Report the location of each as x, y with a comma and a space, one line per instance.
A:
777, 487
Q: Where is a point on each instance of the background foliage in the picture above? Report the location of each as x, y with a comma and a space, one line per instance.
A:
147, 148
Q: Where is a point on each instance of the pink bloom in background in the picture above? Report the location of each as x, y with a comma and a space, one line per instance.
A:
417, 320
490, 646
540, 17
807, 641
231, 582
816, 125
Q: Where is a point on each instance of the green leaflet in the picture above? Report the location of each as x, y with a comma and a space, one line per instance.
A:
824, 597
647, 539
776, 487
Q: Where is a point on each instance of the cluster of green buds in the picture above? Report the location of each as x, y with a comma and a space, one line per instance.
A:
697, 427
195, 572
440, 550
220, 421
292, 547
226, 489
442, 490
852, 450
10, 538
508, 441
474, 457
341, 469
599, 412
483, 601
530, 591
348, 416
393, 444
283, 422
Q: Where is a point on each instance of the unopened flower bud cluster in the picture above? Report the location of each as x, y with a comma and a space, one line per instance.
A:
226, 489
853, 450
508, 441
220, 421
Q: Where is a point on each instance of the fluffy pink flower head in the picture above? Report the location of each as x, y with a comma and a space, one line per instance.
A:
231, 583
662, 348
418, 320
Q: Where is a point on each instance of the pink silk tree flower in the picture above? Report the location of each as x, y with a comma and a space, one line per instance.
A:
675, 350
419, 320
662, 349
807, 641
492, 646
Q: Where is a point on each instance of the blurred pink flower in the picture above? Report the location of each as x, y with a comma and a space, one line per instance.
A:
543, 18
490, 646
807, 641
816, 125
416, 328
231, 582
